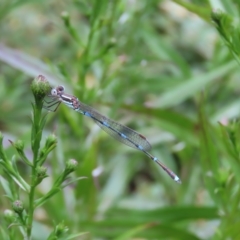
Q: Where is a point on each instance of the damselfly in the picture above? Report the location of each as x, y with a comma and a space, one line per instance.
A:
116, 130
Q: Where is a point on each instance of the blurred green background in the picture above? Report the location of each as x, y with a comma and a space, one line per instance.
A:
157, 66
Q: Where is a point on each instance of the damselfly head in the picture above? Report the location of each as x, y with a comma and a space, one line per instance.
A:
60, 89
57, 91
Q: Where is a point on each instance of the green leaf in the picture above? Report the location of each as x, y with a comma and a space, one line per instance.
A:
192, 86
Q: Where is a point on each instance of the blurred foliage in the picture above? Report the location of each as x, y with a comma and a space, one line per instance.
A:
169, 70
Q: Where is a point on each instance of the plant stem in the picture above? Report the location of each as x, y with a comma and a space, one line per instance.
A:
39, 87
36, 144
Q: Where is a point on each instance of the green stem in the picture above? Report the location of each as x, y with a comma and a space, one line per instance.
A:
37, 135
31, 211
84, 64
37, 132
56, 187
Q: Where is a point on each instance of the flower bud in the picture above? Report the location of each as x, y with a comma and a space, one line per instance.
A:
50, 144
9, 215
41, 172
71, 165
65, 17
51, 141
216, 15
60, 229
112, 42
65, 14
18, 206
19, 145
40, 87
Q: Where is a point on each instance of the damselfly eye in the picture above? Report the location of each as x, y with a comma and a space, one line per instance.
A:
54, 92
60, 89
